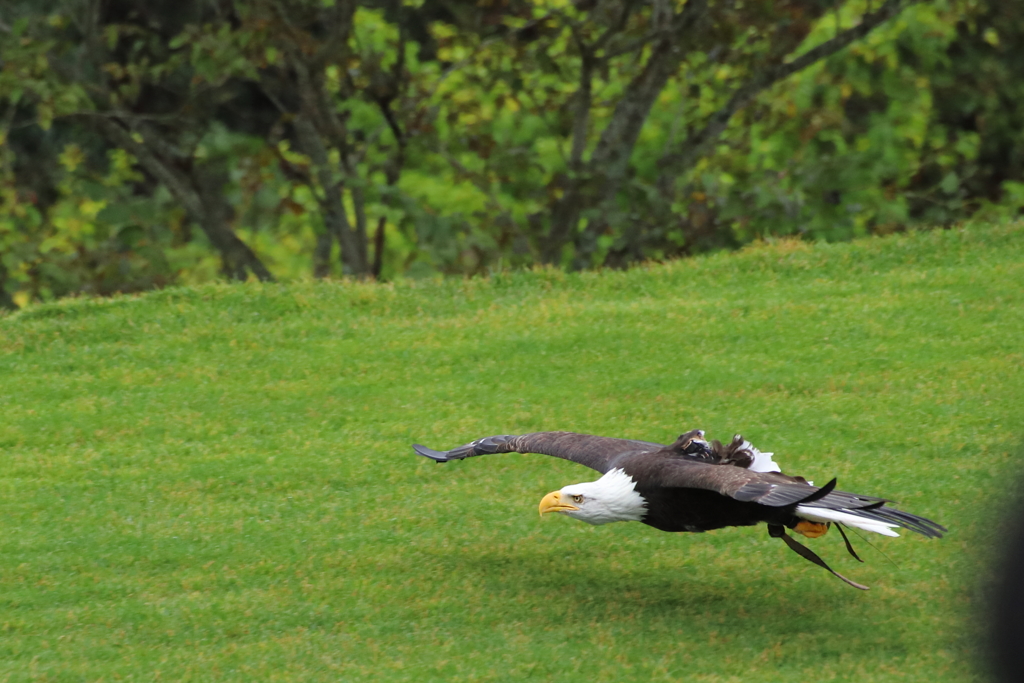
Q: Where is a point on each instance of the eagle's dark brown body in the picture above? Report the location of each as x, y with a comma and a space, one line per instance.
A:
696, 510
672, 508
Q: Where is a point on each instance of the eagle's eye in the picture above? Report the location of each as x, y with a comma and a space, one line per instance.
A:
577, 498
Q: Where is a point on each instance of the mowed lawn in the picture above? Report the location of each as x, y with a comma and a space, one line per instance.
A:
217, 484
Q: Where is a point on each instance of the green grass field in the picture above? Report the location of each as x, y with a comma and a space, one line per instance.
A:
217, 484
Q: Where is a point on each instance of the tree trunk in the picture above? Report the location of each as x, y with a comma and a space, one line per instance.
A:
332, 201
5, 299
236, 256
378, 248
322, 255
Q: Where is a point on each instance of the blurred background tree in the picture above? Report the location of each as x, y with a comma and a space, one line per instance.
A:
148, 144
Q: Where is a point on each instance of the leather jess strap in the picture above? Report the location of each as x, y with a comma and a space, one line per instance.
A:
778, 531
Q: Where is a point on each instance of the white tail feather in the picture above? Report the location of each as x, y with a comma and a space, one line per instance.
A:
763, 462
849, 519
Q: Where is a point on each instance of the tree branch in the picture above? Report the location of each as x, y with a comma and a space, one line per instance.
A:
584, 94
235, 254
697, 144
581, 115
619, 136
616, 28
607, 165
332, 202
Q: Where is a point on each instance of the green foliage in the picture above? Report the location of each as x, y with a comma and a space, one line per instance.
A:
96, 237
835, 151
473, 135
216, 483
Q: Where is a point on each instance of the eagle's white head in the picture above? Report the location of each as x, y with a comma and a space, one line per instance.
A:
612, 498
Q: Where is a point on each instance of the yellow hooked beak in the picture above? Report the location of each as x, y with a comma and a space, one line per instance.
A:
553, 503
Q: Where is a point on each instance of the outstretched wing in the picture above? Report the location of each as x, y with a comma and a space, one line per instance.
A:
773, 489
596, 452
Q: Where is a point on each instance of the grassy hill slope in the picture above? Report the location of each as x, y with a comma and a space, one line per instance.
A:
216, 484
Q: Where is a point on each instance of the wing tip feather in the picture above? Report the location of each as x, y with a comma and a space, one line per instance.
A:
436, 456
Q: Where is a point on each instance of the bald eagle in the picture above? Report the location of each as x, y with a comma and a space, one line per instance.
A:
696, 485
